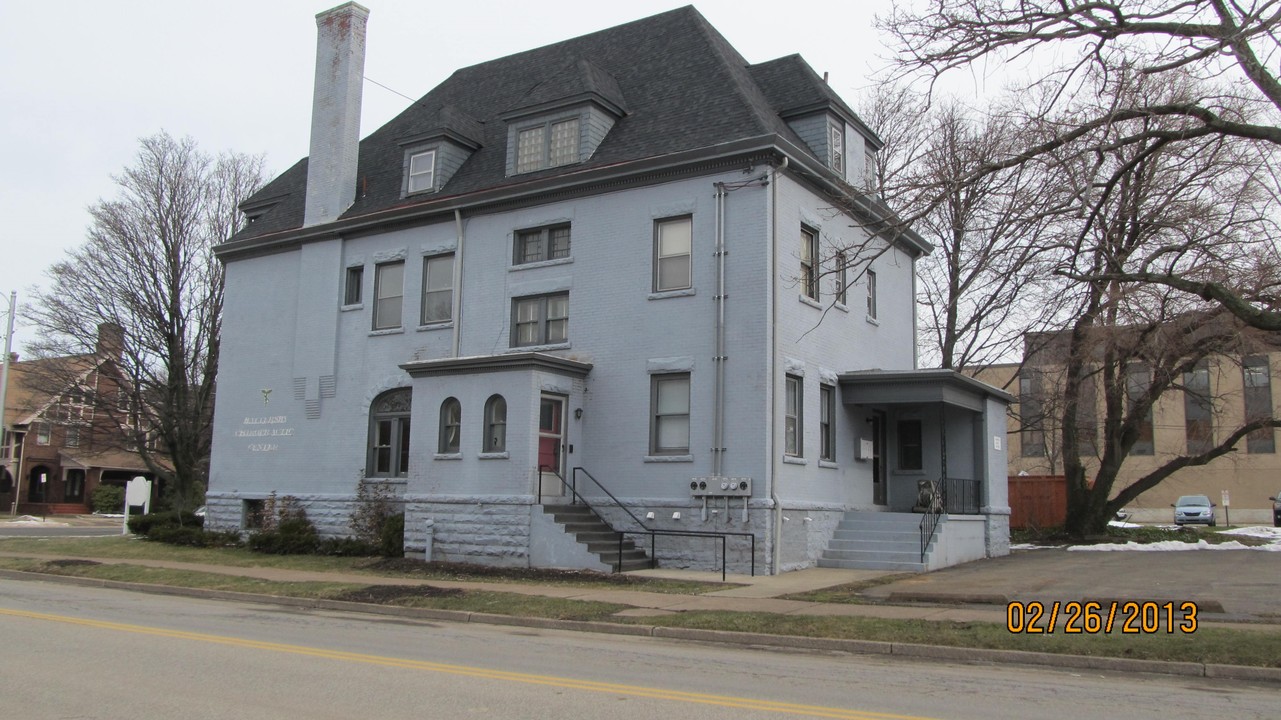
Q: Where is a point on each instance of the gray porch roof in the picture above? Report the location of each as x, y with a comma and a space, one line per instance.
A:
497, 363
917, 387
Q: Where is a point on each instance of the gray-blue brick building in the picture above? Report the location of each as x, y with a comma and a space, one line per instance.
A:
630, 272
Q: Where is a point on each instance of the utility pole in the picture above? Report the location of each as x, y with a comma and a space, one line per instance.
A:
4, 393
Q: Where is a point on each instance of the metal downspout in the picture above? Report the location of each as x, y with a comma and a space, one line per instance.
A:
718, 388
458, 282
772, 461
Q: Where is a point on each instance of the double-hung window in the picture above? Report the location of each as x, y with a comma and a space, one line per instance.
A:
673, 243
669, 430
438, 289
793, 417
540, 320
809, 262
538, 244
549, 145
827, 422
389, 434
389, 294
422, 172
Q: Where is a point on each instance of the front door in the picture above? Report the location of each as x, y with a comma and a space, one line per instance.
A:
551, 444
878, 458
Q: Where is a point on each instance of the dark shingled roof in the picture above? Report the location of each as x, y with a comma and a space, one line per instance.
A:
680, 83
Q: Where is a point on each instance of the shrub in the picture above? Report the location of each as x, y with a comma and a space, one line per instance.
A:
375, 503
392, 541
195, 537
145, 525
294, 535
108, 499
346, 547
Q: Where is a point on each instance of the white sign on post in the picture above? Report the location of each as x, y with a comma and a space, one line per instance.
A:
137, 492
1225, 498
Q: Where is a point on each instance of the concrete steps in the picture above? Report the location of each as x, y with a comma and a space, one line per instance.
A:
599, 538
876, 541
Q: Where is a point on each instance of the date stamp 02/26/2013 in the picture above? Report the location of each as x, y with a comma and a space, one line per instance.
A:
1131, 617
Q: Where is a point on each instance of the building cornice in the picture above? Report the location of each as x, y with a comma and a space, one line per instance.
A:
591, 181
497, 363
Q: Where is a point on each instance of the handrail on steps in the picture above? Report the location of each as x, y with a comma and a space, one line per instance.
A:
933, 512
644, 529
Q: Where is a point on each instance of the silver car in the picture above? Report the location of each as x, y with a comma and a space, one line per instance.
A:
1194, 509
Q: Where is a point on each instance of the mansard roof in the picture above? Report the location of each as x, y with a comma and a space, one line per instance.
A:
679, 85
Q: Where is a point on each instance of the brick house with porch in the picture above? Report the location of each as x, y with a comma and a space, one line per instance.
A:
65, 436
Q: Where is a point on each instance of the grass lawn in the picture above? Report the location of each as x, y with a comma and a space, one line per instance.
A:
1207, 644
130, 548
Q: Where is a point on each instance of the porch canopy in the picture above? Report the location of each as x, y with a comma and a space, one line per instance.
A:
954, 413
916, 387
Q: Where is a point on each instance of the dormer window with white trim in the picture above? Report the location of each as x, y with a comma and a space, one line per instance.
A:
836, 147
422, 171
547, 145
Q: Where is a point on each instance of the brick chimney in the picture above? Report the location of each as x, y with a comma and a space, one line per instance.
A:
335, 112
111, 341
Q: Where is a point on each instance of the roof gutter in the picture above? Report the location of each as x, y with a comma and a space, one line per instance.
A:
637, 170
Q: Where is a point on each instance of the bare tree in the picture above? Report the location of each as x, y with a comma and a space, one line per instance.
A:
1127, 343
1215, 59
147, 266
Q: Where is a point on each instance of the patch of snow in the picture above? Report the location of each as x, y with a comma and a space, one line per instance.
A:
1259, 531
1171, 546
1122, 524
1030, 546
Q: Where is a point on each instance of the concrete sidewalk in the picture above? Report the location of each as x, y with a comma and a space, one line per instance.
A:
763, 594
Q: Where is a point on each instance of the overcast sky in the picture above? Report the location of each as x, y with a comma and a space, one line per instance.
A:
83, 80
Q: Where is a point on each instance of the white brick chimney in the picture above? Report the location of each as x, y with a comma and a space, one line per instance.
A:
335, 112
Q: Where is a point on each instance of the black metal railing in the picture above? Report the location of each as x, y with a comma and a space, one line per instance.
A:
574, 498
933, 513
962, 496
641, 527
653, 533
958, 496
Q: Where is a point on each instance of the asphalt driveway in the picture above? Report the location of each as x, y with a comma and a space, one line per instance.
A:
1244, 584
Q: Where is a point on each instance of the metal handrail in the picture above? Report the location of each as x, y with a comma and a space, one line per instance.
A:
645, 529
574, 494
933, 511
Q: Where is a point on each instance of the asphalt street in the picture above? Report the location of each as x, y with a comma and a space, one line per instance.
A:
164, 657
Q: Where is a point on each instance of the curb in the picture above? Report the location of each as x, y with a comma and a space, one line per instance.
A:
857, 647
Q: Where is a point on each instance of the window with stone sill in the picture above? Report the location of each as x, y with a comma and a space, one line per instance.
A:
540, 320
539, 244
422, 172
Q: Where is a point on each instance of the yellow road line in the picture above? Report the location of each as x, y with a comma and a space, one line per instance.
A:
548, 680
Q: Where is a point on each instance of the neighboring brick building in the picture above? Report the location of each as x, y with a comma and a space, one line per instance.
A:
67, 444
630, 253
1208, 404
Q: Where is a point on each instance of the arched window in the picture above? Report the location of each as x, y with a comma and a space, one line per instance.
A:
389, 434
451, 425
495, 424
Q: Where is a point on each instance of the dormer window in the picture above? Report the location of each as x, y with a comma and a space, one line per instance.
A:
422, 171
836, 147
547, 145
